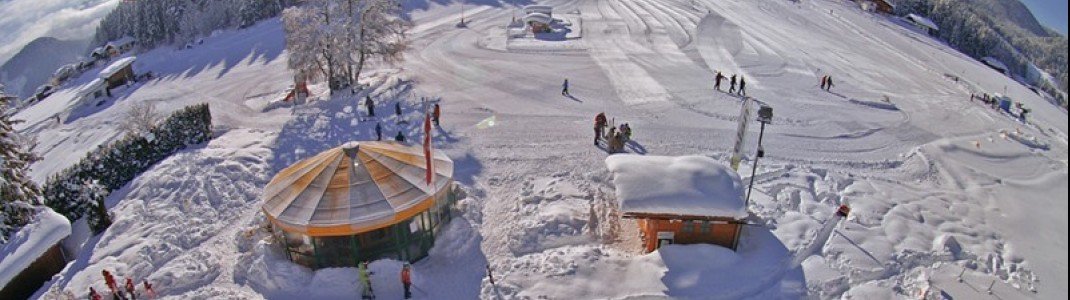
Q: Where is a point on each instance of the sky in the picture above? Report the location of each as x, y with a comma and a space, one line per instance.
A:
26, 20
1050, 13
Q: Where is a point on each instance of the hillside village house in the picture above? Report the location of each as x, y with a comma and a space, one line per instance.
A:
679, 200
923, 23
120, 46
119, 72
538, 17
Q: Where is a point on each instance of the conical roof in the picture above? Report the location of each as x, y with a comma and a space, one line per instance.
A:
354, 188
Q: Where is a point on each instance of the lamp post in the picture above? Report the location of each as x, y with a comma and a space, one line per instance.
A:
765, 116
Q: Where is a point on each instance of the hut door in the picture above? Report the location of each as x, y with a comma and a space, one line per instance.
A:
665, 238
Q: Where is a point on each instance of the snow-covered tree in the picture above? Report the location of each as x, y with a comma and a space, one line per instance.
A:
18, 193
335, 39
93, 194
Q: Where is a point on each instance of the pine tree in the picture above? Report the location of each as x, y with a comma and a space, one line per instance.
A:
18, 193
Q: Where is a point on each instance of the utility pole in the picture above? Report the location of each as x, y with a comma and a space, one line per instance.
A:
765, 116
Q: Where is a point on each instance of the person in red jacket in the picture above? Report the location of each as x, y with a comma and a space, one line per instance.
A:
110, 281
149, 292
93, 295
406, 279
130, 288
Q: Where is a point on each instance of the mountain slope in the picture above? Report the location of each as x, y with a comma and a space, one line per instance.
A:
36, 62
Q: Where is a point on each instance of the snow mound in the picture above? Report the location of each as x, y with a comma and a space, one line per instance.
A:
685, 185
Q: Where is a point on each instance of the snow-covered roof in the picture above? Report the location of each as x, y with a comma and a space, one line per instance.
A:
538, 17
994, 62
91, 87
923, 21
114, 67
544, 9
680, 185
125, 40
32, 241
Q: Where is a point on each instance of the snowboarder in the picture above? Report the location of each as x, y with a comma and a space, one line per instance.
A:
564, 88
130, 289
149, 292
717, 81
365, 281
742, 86
828, 83
406, 279
370, 105
378, 132
599, 123
437, 112
626, 129
397, 109
400, 137
732, 84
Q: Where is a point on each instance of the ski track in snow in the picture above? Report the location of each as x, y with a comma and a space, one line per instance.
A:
937, 184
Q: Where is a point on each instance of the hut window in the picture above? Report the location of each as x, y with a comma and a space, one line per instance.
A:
705, 226
689, 226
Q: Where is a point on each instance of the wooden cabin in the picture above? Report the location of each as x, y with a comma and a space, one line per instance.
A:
679, 200
119, 72
33, 255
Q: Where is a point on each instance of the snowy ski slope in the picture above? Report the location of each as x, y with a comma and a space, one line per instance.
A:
937, 184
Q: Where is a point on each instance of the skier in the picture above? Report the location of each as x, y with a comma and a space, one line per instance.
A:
824, 80
130, 289
742, 86
599, 123
149, 292
366, 281
397, 108
93, 295
400, 137
626, 129
378, 132
406, 279
732, 84
717, 81
564, 88
828, 83
370, 105
437, 112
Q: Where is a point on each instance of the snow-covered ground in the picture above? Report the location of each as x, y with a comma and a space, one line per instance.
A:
939, 186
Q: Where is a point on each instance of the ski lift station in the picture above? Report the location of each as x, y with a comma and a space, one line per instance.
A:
359, 202
679, 200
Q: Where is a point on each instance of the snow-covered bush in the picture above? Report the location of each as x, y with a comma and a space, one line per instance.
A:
72, 192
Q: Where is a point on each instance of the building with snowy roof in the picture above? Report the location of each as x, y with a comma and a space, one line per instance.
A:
359, 202
995, 64
33, 255
679, 200
538, 17
923, 23
119, 72
120, 46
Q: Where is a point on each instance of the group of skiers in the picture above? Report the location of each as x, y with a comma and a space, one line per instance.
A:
826, 83
128, 292
742, 91
369, 104
615, 137
992, 102
366, 280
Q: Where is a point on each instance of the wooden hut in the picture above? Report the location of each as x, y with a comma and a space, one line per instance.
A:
33, 255
359, 202
119, 72
679, 200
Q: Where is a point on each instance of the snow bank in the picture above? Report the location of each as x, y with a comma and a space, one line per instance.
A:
685, 185
47, 229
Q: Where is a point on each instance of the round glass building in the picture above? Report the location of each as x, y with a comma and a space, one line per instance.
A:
360, 202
